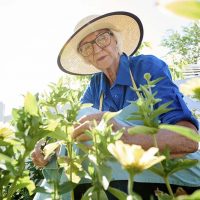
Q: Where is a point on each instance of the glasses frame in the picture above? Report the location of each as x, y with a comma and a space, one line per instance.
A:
95, 42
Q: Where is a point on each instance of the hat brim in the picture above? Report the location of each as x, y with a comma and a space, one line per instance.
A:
127, 24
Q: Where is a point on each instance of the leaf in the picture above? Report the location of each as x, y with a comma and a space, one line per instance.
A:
105, 173
117, 193
184, 131
181, 164
25, 182
42, 190
163, 196
161, 109
5, 157
87, 195
52, 125
30, 104
50, 149
109, 115
194, 196
58, 134
66, 187
142, 130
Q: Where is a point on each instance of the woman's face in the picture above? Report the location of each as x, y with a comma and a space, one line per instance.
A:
100, 49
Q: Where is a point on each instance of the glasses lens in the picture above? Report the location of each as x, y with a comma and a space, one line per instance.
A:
103, 40
86, 49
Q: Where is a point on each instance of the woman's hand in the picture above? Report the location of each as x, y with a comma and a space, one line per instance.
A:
38, 156
87, 123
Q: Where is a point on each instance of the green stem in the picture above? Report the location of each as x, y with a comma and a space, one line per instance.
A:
165, 178
130, 183
13, 188
169, 187
70, 149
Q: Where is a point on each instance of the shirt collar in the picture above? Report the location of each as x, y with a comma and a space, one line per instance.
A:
123, 75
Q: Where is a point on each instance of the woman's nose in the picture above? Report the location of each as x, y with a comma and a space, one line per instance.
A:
96, 48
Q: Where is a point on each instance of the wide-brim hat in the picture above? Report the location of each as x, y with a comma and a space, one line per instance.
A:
128, 26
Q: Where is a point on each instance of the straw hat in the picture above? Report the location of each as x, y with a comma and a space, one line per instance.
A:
126, 24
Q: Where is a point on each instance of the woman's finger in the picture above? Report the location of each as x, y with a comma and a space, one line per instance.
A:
83, 138
92, 117
81, 129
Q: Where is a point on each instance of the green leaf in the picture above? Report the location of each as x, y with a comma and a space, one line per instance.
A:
30, 104
153, 82
163, 196
161, 109
117, 193
58, 134
184, 131
5, 157
157, 170
49, 149
180, 164
66, 187
109, 115
194, 196
42, 190
87, 195
142, 130
105, 174
25, 182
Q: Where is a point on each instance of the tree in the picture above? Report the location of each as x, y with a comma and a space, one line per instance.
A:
184, 47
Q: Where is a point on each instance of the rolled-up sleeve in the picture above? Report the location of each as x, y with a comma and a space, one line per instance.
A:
168, 91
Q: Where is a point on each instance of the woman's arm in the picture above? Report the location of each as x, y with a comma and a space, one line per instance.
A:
178, 145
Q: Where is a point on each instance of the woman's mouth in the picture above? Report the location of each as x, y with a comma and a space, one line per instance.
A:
101, 58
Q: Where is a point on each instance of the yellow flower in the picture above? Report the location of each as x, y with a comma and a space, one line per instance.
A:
5, 130
133, 156
189, 87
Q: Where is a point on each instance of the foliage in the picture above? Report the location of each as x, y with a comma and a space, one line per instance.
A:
142, 46
183, 47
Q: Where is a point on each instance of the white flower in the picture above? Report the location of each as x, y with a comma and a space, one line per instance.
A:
133, 156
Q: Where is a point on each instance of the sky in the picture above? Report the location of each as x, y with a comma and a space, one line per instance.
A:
32, 32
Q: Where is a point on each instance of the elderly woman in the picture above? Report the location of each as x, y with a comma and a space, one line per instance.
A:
100, 46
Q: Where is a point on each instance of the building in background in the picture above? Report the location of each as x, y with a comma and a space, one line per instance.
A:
3, 117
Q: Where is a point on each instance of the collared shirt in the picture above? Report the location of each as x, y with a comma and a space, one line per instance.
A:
120, 93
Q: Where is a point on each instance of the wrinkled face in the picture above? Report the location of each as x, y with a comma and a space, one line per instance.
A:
100, 49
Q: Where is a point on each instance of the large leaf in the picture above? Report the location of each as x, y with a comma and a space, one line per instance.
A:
30, 104
184, 131
117, 193
142, 130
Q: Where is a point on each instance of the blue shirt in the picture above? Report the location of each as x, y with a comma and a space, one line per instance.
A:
120, 94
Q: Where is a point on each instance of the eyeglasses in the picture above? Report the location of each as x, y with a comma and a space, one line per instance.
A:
102, 40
